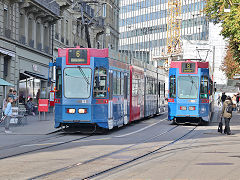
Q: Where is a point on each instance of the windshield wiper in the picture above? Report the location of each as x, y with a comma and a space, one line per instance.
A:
193, 83
84, 75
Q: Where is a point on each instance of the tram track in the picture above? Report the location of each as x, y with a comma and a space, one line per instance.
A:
122, 150
37, 140
32, 142
42, 148
137, 158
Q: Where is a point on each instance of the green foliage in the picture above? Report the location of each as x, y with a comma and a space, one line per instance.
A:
230, 21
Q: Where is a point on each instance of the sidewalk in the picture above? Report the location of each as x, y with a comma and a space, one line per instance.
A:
33, 125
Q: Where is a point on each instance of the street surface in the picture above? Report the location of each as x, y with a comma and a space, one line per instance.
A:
149, 149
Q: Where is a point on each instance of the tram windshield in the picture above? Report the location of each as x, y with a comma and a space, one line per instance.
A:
77, 82
188, 87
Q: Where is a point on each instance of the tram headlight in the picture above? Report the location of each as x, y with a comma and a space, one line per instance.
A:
82, 111
71, 111
183, 108
191, 108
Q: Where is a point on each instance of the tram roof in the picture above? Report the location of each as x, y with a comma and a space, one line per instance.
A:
108, 53
199, 64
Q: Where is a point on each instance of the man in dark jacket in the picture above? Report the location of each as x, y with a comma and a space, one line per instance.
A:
227, 115
223, 98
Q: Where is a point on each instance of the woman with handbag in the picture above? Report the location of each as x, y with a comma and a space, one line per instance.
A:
227, 114
8, 114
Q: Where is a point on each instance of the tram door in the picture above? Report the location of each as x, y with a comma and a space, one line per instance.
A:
100, 90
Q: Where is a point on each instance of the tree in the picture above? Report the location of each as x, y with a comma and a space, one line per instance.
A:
230, 66
230, 21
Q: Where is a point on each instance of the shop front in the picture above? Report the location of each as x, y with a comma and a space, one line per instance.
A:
33, 78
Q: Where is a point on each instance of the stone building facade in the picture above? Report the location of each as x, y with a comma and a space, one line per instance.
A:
26, 44
31, 31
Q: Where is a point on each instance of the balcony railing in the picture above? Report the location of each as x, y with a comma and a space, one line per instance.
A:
53, 6
31, 43
22, 39
7, 33
39, 46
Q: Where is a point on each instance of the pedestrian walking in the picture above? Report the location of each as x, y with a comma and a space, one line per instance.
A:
227, 114
219, 100
8, 114
223, 98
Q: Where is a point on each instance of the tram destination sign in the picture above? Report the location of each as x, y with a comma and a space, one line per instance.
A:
77, 56
188, 67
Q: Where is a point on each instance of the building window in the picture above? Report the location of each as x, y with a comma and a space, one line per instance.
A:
104, 10
6, 65
5, 16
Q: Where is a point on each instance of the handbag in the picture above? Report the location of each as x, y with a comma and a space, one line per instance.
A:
3, 118
220, 125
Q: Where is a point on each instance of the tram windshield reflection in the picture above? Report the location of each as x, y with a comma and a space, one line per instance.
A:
188, 87
76, 82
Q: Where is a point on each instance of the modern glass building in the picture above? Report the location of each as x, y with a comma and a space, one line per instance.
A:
143, 25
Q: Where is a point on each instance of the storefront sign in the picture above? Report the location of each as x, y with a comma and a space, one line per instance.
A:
43, 105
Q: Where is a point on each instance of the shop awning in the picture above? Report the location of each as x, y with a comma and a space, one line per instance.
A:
5, 83
36, 75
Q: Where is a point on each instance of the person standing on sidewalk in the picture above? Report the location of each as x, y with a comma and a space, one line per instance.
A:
227, 114
8, 114
223, 98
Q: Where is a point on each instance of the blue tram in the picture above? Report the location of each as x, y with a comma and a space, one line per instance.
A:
99, 88
191, 92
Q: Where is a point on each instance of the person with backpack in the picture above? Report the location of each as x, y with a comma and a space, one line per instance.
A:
227, 114
8, 114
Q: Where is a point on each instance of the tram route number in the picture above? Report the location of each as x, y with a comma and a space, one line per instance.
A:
77, 56
188, 67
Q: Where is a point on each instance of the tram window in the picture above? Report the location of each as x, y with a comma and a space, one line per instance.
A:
204, 87
118, 83
58, 83
125, 87
100, 83
135, 84
188, 87
114, 83
211, 87
122, 83
172, 87
110, 85
77, 82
